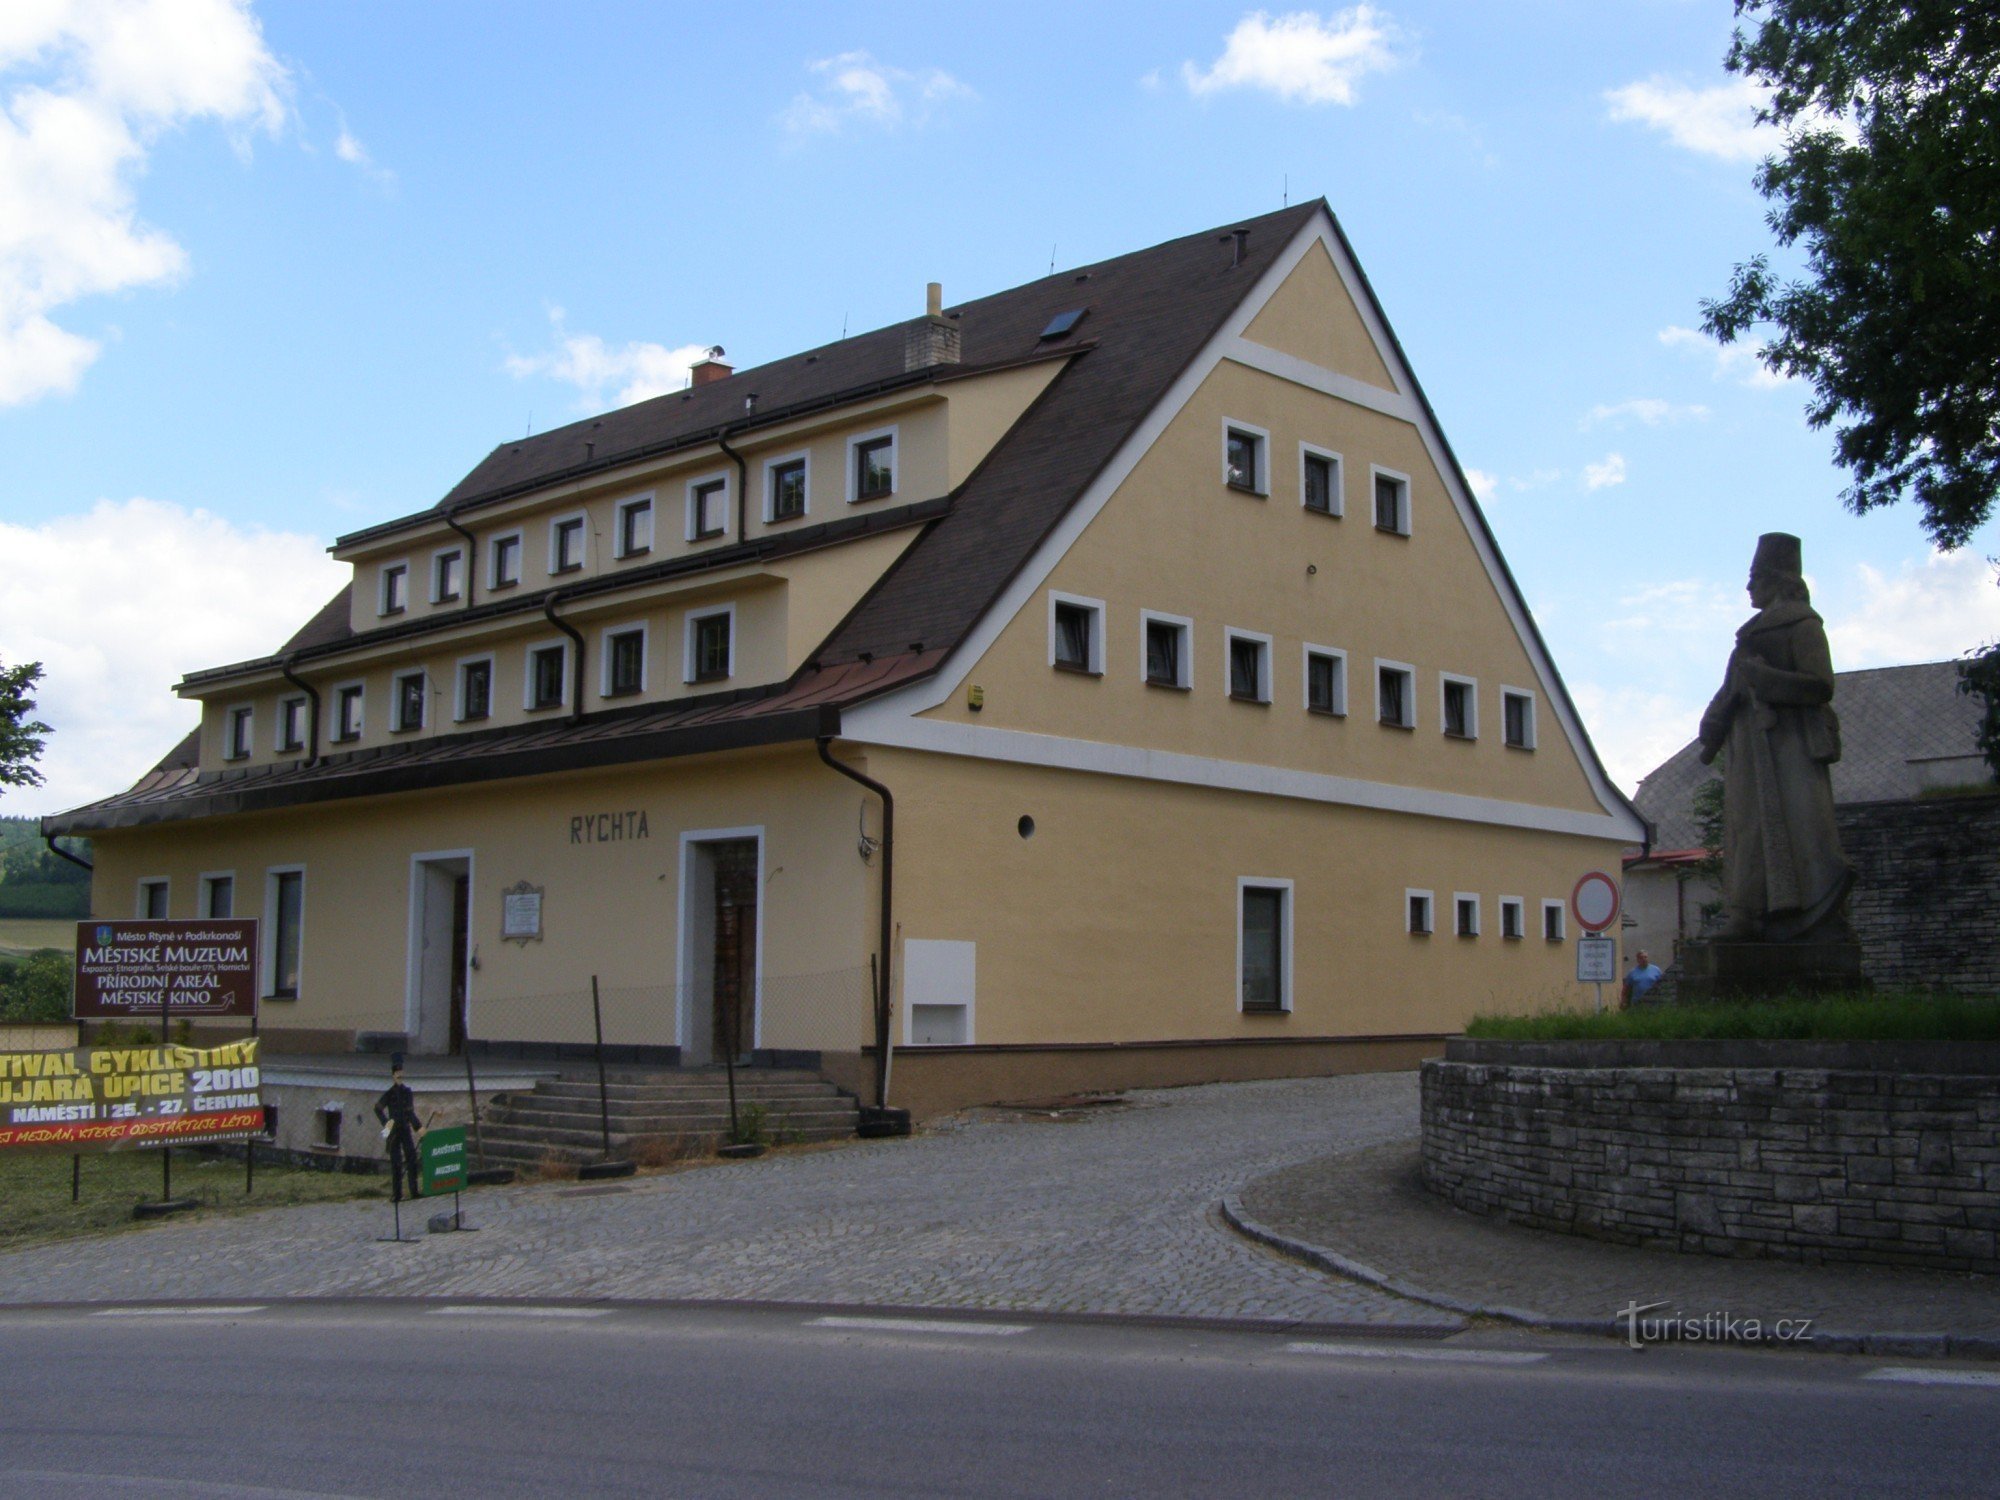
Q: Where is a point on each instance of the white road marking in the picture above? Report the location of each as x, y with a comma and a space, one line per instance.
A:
917, 1325
174, 1312
483, 1310
1915, 1375
1440, 1356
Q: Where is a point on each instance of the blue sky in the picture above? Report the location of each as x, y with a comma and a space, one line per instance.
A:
270, 273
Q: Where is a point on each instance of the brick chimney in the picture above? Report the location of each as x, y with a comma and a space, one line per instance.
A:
935, 339
712, 368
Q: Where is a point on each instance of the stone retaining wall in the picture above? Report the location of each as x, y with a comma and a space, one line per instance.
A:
1927, 882
1809, 1164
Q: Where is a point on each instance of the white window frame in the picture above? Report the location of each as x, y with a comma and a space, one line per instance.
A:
1519, 908
1147, 619
1261, 480
144, 884
1471, 686
620, 511
1430, 912
894, 435
1094, 666
641, 628
1339, 658
1410, 697
1338, 495
1527, 697
688, 622
233, 747
1285, 993
493, 579
1561, 909
528, 653
556, 524
303, 704
437, 560
396, 681
692, 507
1232, 634
382, 577
360, 686
458, 686
1458, 898
204, 884
771, 467
267, 932
1404, 522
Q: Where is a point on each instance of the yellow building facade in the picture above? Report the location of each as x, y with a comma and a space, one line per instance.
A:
1219, 740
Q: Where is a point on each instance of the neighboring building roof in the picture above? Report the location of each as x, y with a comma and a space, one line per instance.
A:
1894, 723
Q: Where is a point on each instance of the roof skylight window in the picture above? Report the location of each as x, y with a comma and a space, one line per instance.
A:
1062, 323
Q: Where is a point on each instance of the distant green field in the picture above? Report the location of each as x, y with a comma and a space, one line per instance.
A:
26, 934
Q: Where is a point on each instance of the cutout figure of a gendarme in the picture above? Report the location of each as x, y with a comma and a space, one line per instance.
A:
1785, 879
396, 1109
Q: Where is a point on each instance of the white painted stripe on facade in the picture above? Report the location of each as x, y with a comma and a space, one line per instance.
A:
917, 1325
1917, 1375
943, 737
1319, 378
177, 1312
487, 1310
1435, 1356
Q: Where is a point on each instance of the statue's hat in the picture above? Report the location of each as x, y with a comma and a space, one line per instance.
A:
395, 1062
1778, 553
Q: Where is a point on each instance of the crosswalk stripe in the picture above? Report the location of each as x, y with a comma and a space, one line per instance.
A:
1915, 1375
917, 1325
489, 1310
174, 1312
1439, 1356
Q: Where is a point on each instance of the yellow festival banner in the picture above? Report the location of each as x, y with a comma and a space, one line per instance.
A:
109, 1098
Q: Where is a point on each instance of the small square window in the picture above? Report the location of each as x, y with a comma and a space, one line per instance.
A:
548, 673
635, 527
709, 647
1319, 481
1392, 503
1249, 669
506, 569
625, 663
566, 550
1326, 682
291, 725
1417, 916
1167, 661
218, 897
447, 577
1518, 710
1395, 696
1513, 919
475, 691
1553, 929
1460, 709
1465, 910
1075, 636
788, 490
407, 708
1263, 940
153, 900
347, 704
236, 734
708, 509
874, 468
1243, 460
395, 589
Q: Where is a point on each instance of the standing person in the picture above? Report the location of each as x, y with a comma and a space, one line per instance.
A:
396, 1110
1640, 979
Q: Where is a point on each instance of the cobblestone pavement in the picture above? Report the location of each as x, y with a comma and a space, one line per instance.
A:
1111, 1213
1370, 1206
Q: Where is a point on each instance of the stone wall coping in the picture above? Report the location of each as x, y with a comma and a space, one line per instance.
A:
1950, 1059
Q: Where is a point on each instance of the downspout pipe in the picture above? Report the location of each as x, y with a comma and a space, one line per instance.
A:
742, 480
57, 849
471, 552
888, 914
312, 713
549, 604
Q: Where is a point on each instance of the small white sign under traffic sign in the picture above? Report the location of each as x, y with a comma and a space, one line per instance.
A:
1596, 960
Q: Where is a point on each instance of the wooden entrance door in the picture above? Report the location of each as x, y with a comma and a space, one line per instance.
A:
734, 1014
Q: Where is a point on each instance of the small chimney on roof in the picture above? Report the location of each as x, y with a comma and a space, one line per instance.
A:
1238, 241
712, 368
934, 340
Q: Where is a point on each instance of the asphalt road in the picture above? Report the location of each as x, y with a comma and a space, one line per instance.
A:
578, 1399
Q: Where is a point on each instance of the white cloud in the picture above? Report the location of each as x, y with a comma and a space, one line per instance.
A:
1301, 57
1740, 362
638, 370
1718, 121
1535, 479
1647, 409
118, 604
1485, 485
1634, 728
856, 89
347, 146
88, 87
1924, 611
1603, 475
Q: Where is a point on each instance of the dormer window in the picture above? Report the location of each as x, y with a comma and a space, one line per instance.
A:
708, 509
237, 734
395, 596
787, 500
447, 575
291, 725
874, 473
710, 647
506, 569
548, 674
406, 708
635, 527
566, 540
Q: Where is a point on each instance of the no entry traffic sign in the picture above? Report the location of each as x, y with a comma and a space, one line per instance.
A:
1594, 902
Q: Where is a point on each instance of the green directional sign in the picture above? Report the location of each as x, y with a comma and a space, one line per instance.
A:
441, 1160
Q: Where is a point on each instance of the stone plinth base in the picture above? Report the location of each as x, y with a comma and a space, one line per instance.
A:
1765, 971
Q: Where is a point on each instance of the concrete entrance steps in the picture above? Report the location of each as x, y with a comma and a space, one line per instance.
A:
657, 1116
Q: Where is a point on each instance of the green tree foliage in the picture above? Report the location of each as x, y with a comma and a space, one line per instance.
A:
1979, 675
1890, 183
37, 988
20, 732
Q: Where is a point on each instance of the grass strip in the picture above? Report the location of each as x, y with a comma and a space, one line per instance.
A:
1878, 1017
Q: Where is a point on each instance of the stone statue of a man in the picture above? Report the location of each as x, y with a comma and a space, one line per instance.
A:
1785, 879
